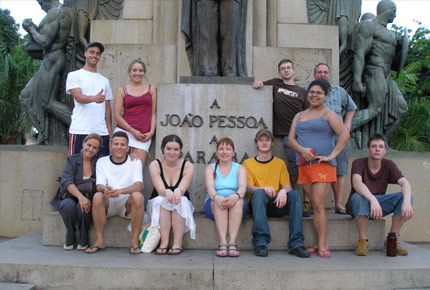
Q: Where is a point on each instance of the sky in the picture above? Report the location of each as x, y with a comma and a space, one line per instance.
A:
407, 11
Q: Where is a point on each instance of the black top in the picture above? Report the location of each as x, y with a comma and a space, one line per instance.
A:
173, 187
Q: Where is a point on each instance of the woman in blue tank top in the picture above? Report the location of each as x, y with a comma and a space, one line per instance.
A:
312, 136
226, 185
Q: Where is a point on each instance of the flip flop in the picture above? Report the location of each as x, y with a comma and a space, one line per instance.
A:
134, 251
340, 210
163, 251
312, 249
97, 250
324, 253
178, 251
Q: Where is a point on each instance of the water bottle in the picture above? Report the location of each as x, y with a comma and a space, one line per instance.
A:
391, 245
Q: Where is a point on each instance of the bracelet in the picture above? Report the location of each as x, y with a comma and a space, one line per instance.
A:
328, 156
129, 129
238, 195
213, 197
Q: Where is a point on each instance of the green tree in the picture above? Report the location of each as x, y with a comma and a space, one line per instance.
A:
16, 69
413, 132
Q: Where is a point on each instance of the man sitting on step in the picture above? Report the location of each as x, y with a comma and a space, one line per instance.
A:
272, 195
370, 177
119, 185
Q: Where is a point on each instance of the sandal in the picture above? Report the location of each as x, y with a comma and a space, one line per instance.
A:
160, 251
174, 251
339, 210
94, 249
222, 248
235, 249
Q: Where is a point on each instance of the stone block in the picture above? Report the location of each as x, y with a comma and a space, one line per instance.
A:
312, 36
138, 9
341, 233
266, 61
166, 21
122, 31
28, 177
259, 23
272, 22
201, 114
160, 63
292, 11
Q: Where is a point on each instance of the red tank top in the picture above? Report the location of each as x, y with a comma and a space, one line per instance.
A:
138, 110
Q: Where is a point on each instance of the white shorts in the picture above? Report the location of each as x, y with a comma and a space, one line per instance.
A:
132, 142
117, 206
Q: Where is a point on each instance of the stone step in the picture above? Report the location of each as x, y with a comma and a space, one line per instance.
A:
26, 260
341, 233
16, 286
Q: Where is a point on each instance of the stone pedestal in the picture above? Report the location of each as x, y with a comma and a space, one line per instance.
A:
201, 114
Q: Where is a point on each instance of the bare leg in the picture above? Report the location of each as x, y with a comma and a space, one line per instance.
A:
142, 155
337, 188
165, 223
135, 207
178, 226
396, 225
361, 223
221, 222
234, 219
100, 206
318, 195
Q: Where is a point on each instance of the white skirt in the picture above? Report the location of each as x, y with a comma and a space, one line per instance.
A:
185, 209
132, 142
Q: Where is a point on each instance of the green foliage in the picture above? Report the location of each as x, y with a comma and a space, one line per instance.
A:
16, 69
413, 133
9, 35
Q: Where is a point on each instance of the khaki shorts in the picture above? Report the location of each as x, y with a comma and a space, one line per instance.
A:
117, 206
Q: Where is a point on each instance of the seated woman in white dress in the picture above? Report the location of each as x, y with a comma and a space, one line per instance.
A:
169, 206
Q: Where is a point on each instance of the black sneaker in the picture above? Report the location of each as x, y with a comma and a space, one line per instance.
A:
300, 252
261, 251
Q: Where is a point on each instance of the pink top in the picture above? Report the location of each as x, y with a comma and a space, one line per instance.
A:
138, 111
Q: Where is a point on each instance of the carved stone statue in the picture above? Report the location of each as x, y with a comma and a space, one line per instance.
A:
61, 37
345, 15
98, 9
377, 52
215, 36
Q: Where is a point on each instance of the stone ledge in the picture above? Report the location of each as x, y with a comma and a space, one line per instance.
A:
341, 232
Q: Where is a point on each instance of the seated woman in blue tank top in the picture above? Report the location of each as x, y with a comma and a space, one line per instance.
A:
226, 185
312, 136
169, 206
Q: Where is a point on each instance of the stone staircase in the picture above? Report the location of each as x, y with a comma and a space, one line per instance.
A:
341, 232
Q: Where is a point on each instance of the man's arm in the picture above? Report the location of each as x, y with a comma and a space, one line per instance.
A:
108, 117
363, 190
362, 47
348, 119
407, 211
85, 99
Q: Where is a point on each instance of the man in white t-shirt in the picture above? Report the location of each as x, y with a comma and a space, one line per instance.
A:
119, 192
91, 95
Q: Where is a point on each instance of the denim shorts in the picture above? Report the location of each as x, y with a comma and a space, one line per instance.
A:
342, 162
390, 203
208, 209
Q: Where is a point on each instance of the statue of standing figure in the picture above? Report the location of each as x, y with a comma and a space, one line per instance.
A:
215, 36
61, 37
377, 52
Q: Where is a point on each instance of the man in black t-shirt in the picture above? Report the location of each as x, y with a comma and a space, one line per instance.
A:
288, 100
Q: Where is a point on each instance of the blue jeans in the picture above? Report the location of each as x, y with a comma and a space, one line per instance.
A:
262, 206
390, 203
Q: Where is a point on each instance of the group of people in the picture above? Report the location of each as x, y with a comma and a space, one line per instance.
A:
313, 123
